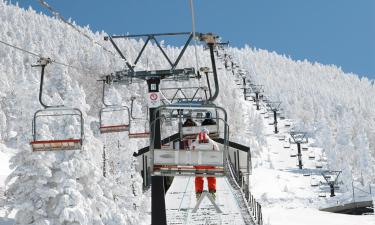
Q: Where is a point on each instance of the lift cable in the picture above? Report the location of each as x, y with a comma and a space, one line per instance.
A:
57, 14
54, 61
194, 35
20, 49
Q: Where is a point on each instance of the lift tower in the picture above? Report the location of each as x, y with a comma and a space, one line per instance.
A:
153, 79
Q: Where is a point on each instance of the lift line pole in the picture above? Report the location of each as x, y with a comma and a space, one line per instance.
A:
158, 213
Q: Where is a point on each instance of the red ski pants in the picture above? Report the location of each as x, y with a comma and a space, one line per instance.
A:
199, 181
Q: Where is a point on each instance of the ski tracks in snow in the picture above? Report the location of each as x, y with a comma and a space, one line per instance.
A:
180, 201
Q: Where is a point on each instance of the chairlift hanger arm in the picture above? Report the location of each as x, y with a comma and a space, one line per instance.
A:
216, 80
43, 62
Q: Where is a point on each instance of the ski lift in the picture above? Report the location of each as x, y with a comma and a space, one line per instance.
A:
60, 141
331, 177
193, 131
185, 162
139, 127
113, 118
311, 155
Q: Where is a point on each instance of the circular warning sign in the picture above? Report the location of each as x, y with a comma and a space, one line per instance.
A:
153, 99
153, 96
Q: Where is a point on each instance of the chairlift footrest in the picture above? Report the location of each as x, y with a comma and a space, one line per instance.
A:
56, 145
113, 129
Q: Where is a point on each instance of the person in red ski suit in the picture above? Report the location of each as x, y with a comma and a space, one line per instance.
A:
204, 142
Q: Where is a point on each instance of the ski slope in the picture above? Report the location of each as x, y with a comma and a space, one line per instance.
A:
286, 193
181, 200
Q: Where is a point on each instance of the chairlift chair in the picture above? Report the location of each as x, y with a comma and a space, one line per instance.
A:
75, 138
113, 118
319, 165
73, 142
139, 128
185, 162
107, 126
314, 181
192, 132
311, 155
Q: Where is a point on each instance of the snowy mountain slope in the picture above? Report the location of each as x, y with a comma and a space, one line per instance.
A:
289, 195
336, 109
72, 182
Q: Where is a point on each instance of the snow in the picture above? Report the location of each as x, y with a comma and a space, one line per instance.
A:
181, 200
285, 192
308, 216
68, 187
4, 164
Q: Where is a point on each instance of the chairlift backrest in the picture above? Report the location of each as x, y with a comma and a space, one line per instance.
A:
114, 119
139, 129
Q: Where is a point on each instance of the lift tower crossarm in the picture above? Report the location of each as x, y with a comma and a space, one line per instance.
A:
299, 138
125, 75
152, 37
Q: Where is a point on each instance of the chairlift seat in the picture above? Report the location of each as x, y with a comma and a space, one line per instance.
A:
281, 138
185, 162
187, 171
56, 145
322, 195
114, 128
139, 135
286, 145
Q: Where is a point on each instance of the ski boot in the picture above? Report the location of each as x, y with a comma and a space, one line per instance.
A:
213, 194
198, 195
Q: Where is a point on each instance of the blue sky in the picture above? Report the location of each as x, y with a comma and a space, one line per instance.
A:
340, 32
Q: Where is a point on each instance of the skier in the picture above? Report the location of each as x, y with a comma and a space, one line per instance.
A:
188, 123
204, 142
208, 120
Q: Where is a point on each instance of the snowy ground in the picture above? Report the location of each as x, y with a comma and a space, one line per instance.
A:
4, 164
180, 201
287, 194
4, 172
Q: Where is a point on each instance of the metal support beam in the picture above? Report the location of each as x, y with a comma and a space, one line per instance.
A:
275, 121
257, 100
299, 155
158, 213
